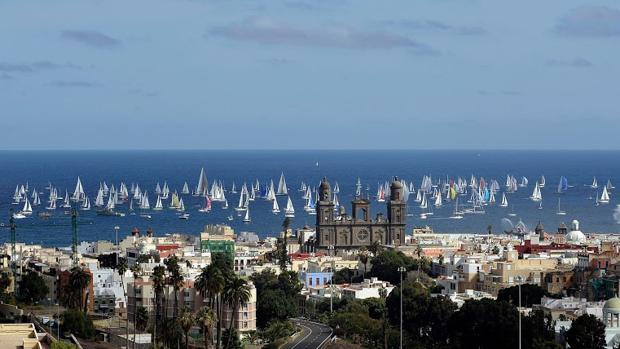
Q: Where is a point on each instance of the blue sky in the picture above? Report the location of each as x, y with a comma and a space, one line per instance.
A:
337, 74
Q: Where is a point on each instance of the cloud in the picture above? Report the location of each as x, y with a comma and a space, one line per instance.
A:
34, 67
91, 38
63, 83
436, 26
267, 31
590, 21
575, 63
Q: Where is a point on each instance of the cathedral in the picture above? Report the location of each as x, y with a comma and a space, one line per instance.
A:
338, 230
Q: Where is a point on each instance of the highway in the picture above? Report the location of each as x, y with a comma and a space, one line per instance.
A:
312, 337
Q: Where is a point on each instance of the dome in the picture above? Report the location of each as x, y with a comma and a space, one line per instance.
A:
396, 184
612, 305
576, 236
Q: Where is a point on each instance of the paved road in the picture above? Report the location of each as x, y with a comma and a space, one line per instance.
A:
312, 336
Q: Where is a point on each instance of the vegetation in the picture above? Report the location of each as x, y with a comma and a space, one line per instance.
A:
77, 322
62, 345
586, 332
32, 288
5, 282
530, 294
278, 329
75, 290
276, 296
141, 318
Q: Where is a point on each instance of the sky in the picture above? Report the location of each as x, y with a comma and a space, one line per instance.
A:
309, 74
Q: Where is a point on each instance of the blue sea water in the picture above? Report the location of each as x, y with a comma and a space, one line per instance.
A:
146, 168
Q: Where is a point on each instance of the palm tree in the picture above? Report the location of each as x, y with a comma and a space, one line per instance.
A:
363, 257
236, 293
159, 279
283, 255
215, 286
186, 320
136, 270
142, 318
122, 268
206, 319
175, 279
78, 283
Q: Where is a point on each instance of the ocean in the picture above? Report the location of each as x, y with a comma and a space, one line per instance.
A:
146, 168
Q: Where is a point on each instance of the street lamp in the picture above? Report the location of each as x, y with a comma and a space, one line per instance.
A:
116, 229
401, 271
519, 281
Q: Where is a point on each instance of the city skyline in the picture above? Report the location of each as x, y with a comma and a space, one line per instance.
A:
309, 75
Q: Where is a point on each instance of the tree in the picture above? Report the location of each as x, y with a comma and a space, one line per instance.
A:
342, 276
530, 295
121, 267
136, 271
283, 248
62, 345
236, 292
278, 329
206, 319
186, 320
77, 322
426, 317
385, 265
159, 279
538, 331
497, 320
276, 295
79, 280
5, 282
32, 288
363, 256
586, 332
231, 338
141, 318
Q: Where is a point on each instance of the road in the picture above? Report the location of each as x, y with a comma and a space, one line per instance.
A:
312, 336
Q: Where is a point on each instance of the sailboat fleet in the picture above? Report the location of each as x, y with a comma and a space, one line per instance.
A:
463, 196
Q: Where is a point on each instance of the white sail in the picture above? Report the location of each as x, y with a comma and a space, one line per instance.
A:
247, 218
86, 204
185, 189
181, 205
233, 189
536, 194
99, 199
282, 189
423, 203
275, 208
111, 202
438, 201
289, 211
202, 187
594, 184
504, 201
78, 192
144, 202
604, 196
51, 205
27, 209
159, 205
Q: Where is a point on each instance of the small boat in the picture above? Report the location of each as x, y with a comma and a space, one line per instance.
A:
289, 210
246, 218
560, 212
230, 217
275, 208
594, 184
536, 194
504, 201
457, 213
542, 182
147, 216
604, 196
282, 189
609, 185
184, 216
185, 189
19, 215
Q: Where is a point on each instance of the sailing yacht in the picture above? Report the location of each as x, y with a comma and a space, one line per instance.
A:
542, 182
185, 189
524, 182
594, 184
563, 185
275, 208
457, 213
282, 189
289, 210
560, 212
246, 218
609, 185
604, 196
504, 201
86, 204
202, 187
159, 205
536, 194
27, 209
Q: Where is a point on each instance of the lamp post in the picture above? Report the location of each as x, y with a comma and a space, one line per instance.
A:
401, 270
116, 229
519, 280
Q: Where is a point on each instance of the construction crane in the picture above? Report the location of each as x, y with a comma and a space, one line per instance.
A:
74, 231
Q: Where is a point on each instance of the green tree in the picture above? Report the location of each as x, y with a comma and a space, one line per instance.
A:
62, 345
32, 288
278, 329
483, 324
175, 279
186, 320
385, 265
231, 338
586, 332
79, 280
142, 318
206, 318
538, 330
5, 282
77, 322
426, 317
343, 276
282, 246
236, 292
530, 295
159, 279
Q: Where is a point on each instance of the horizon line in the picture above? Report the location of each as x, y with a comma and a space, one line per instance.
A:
300, 149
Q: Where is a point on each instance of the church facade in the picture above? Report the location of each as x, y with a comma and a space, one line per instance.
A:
338, 230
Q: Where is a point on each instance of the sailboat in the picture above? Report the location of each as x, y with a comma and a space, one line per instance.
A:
233, 189
246, 218
542, 182
563, 185
438, 201
207, 206
78, 193
275, 208
423, 204
51, 205
144, 202
536, 194
594, 184
457, 213
524, 182
604, 196
185, 189
560, 212
504, 201
381, 195
86, 204
202, 187
282, 190
158, 205
289, 210
609, 185
27, 209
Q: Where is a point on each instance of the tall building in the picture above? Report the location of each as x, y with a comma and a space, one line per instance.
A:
337, 230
